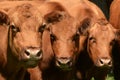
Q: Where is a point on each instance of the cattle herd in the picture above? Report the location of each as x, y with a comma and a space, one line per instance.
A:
59, 40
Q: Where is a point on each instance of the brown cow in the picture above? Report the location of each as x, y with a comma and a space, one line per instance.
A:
89, 17
96, 43
89, 14
115, 21
97, 51
23, 40
61, 37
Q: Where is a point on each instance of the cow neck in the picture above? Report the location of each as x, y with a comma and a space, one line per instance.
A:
54, 73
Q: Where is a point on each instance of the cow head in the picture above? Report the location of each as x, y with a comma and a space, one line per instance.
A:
25, 34
100, 39
64, 37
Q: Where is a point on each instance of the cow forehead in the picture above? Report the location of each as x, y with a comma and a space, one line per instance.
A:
26, 10
66, 28
102, 31
25, 13
19, 19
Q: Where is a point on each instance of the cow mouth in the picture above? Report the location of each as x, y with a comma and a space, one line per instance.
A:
65, 67
64, 64
104, 66
31, 63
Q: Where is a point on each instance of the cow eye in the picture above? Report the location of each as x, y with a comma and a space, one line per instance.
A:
75, 37
15, 29
42, 27
92, 39
52, 37
112, 42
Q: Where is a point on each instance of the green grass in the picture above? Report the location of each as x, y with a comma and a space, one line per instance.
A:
109, 77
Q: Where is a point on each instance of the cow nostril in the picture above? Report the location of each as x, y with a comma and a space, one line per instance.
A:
65, 61
69, 63
107, 62
27, 53
59, 63
110, 62
39, 53
101, 61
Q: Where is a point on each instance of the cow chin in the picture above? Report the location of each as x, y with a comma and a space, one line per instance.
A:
30, 63
64, 67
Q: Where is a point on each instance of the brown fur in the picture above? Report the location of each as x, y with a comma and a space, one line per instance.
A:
64, 27
87, 14
114, 16
3, 39
87, 17
91, 50
7, 5
115, 21
24, 33
104, 5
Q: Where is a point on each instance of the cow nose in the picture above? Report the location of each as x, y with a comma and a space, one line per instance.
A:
105, 61
64, 61
33, 53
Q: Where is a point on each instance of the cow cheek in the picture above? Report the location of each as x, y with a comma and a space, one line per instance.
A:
55, 47
39, 40
93, 53
16, 49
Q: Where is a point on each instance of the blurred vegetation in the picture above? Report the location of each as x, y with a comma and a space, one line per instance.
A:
109, 77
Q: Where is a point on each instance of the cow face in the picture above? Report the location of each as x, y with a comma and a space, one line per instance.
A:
25, 34
64, 37
101, 38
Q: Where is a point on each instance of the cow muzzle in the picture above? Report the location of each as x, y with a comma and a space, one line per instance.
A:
32, 56
105, 62
64, 63
33, 53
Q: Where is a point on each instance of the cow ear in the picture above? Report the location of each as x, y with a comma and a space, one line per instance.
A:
3, 44
4, 19
84, 26
3, 38
55, 16
47, 49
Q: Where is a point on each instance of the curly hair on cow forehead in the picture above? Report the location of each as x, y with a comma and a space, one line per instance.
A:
102, 21
25, 12
24, 9
101, 24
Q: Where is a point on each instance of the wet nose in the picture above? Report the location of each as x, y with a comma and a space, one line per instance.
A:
33, 53
105, 61
64, 61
